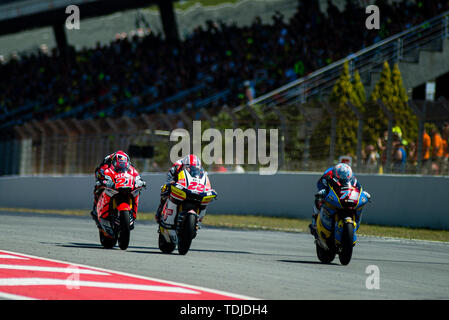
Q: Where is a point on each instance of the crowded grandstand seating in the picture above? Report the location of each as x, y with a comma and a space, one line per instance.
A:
147, 74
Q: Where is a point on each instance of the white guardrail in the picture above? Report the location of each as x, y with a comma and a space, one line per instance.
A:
397, 200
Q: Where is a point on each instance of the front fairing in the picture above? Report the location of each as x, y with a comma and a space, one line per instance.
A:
122, 191
196, 188
332, 200
342, 204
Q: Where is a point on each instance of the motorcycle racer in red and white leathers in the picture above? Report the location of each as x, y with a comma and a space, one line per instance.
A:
190, 163
119, 162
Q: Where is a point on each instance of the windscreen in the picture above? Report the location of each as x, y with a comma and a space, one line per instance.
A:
196, 172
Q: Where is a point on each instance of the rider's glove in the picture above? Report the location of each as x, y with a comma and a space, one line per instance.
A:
165, 189
108, 182
320, 194
367, 195
140, 183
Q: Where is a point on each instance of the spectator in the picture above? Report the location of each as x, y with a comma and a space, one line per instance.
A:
249, 91
382, 145
397, 131
214, 58
445, 165
371, 159
426, 152
412, 156
437, 150
399, 155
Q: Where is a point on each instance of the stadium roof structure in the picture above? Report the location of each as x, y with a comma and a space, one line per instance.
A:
20, 15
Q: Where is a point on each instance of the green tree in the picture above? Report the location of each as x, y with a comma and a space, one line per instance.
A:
359, 89
383, 89
404, 116
390, 90
345, 90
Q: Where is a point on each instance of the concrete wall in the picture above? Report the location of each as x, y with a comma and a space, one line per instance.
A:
416, 201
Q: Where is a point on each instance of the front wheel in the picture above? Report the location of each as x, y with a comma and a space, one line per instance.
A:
347, 243
124, 233
187, 233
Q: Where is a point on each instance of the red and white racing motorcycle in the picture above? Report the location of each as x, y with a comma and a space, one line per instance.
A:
184, 209
117, 206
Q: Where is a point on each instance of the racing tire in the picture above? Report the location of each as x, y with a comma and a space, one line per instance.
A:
187, 233
125, 232
107, 242
164, 246
325, 256
346, 244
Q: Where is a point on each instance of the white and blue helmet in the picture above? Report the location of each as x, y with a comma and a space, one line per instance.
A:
343, 173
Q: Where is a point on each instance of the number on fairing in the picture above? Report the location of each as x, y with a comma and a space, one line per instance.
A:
354, 195
196, 186
124, 182
344, 193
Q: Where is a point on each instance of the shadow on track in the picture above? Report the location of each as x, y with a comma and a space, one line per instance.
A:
152, 250
76, 245
308, 262
99, 246
195, 250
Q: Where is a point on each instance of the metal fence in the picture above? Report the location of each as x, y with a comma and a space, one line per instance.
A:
312, 137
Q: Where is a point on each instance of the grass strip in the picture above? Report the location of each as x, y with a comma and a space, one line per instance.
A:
251, 222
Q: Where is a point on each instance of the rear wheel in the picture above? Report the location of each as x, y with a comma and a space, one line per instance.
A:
325, 256
187, 233
124, 233
347, 243
164, 245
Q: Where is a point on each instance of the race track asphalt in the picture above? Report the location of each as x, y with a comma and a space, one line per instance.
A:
259, 264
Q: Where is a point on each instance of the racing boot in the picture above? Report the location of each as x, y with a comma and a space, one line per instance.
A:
312, 226
158, 214
165, 191
94, 217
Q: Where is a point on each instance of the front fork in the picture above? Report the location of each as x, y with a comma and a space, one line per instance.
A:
339, 227
110, 223
329, 231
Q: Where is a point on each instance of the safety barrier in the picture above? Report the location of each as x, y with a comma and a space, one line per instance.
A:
397, 200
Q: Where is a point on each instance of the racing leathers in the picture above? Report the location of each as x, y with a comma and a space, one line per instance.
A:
119, 162
189, 162
332, 175
172, 177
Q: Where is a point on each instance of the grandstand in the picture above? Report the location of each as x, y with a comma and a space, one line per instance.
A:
56, 106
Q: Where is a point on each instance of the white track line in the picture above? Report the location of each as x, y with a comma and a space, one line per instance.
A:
14, 282
8, 256
224, 293
52, 269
